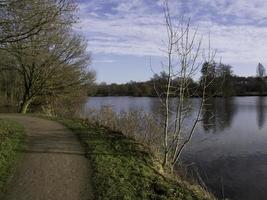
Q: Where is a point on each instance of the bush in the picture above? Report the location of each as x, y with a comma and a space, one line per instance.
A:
135, 124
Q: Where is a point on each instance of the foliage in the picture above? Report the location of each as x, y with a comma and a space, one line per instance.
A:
50, 65
13, 16
138, 89
225, 83
220, 77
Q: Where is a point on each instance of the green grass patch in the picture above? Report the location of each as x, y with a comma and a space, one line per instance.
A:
124, 169
11, 135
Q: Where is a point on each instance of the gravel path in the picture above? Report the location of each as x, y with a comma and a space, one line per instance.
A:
52, 166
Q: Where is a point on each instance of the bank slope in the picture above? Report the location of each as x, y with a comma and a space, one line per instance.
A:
125, 169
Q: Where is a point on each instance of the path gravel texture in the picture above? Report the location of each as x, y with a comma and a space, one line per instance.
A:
53, 165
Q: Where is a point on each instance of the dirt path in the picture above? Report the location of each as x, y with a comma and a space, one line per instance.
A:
53, 165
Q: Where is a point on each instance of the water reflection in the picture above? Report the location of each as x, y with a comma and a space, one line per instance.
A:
261, 109
232, 161
218, 114
158, 109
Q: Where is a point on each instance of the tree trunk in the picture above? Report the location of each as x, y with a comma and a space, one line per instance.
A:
165, 160
24, 106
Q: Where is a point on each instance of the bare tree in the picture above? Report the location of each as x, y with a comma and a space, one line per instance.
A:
184, 57
16, 15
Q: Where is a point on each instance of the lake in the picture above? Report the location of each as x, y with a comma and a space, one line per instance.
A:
229, 148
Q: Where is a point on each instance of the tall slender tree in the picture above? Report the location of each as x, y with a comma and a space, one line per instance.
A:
183, 60
261, 71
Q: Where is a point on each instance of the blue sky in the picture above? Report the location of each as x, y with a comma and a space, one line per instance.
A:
124, 35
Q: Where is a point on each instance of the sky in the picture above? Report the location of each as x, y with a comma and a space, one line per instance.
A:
127, 38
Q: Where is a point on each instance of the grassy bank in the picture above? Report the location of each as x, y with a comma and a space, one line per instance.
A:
125, 169
11, 135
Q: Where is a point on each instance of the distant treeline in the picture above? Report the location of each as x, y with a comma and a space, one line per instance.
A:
222, 83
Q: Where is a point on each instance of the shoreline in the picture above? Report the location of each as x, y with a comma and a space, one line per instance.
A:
123, 167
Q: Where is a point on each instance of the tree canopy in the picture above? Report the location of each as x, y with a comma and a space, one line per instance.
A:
48, 60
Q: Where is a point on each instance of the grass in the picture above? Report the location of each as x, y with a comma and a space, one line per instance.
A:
124, 169
10, 140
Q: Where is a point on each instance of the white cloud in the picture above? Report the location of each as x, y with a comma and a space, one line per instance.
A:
104, 61
136, 27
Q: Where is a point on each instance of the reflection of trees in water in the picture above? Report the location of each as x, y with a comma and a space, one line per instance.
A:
155, 105
157, 108
261, 108
234, 173
218, 114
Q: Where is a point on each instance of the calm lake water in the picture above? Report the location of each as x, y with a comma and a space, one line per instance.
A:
229, 148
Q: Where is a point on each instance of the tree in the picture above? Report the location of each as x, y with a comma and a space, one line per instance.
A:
208, 72
220, 79
260, 71
9, 82
15, 17
183, 61
53, 63
225, 79
261, 85
51, 72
